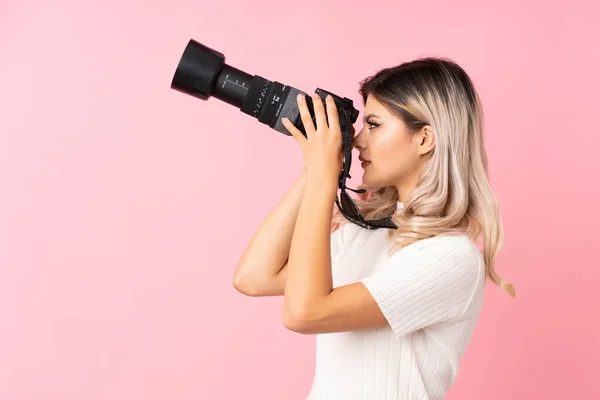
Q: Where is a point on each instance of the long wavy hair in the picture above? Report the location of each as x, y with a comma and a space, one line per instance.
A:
453, 194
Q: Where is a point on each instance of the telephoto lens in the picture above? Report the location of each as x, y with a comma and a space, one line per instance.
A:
202, 72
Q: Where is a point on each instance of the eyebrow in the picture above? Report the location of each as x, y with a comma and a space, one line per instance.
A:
369, 116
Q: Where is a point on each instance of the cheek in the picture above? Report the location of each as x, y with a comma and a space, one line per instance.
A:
393, 158
390, 148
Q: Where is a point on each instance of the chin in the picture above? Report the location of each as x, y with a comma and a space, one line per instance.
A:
369, 181
374, 181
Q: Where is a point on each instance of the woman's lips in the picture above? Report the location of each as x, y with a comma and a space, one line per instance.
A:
364, 162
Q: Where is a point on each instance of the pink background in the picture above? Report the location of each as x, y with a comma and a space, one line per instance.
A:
125, 205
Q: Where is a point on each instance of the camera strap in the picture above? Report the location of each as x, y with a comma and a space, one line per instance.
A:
347, 142
345, 174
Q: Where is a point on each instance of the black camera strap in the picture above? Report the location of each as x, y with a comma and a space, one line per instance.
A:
347, 142
345, 174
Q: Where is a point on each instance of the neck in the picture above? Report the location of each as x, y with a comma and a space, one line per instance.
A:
404, 192
407, 186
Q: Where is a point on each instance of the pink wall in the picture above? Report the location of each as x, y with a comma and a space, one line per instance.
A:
125, 205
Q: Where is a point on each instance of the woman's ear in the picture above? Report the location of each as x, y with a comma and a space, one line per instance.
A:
426, 140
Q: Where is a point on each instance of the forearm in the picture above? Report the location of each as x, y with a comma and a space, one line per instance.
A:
309, 265
269, 247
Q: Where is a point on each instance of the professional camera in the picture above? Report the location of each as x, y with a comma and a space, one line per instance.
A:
202, 72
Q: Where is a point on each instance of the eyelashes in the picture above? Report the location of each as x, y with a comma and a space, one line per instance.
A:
372, 125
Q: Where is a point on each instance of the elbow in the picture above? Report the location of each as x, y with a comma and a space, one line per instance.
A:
293, 323
297, 321
254, 285
238, 284
243, 285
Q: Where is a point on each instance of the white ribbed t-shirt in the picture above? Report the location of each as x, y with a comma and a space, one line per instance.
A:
430, 292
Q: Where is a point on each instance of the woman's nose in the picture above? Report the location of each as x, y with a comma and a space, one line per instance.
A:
356, 142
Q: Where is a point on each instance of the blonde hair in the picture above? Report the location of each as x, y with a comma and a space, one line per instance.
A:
453, 195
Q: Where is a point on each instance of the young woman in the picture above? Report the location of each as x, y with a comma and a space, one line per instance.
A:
393, 309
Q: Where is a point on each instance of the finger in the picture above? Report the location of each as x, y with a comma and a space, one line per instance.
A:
332, 113
319, 112
305, 116
295, 132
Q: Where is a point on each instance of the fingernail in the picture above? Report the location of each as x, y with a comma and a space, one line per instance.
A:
299, 97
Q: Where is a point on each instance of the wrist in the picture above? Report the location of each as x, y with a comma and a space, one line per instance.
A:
322, 174
323, 183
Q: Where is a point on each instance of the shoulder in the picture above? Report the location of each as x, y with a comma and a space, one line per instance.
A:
444, 254
453, 245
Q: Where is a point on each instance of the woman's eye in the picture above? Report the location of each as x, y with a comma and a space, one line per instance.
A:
372, 125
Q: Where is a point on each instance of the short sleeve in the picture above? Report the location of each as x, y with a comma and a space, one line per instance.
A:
428, 282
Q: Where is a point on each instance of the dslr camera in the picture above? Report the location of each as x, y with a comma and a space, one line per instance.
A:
202, 73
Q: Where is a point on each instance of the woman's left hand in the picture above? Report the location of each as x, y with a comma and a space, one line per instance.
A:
323, 146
